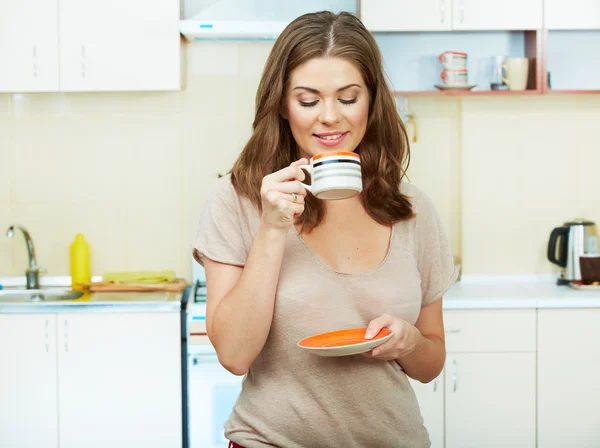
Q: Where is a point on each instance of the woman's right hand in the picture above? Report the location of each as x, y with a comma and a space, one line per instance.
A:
278, 205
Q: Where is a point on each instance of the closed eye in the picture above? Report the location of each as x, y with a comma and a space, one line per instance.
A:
314, 103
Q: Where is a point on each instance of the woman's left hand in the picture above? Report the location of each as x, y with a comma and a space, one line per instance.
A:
402, 343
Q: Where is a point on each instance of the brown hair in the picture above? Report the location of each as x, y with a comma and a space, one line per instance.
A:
384, 149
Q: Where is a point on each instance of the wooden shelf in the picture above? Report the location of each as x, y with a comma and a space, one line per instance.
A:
573, 92
470, 93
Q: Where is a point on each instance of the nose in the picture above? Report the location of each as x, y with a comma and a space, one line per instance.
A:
330, 112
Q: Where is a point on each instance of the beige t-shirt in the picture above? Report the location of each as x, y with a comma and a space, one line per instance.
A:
293, 399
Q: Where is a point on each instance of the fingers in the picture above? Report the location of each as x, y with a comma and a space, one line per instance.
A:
386, 346
291, 187
377, 324
290, 172
302, 161
284, 202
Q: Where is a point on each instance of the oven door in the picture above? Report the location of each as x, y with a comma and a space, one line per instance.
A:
212, 392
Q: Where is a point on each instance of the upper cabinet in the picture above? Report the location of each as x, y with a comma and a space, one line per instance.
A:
28, 46
446, 15
86, 45
407, 15
494, 15
572, 15
124, 45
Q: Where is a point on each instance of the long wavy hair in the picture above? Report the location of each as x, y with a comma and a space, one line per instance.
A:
384, 149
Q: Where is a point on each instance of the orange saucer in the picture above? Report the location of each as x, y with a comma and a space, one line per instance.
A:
343, 342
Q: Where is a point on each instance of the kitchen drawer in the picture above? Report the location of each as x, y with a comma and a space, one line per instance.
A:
490, 330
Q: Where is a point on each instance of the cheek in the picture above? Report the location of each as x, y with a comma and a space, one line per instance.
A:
301, 118
359, 116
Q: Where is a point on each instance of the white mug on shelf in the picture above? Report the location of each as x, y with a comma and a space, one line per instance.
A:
453, 60
455, 77
517, 72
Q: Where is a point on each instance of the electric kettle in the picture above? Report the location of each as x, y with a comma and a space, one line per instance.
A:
573, 240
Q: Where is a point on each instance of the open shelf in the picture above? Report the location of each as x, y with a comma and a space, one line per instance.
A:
412, 65
572, 61
469, 93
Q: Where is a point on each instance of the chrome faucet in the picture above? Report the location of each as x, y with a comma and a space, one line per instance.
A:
32, 273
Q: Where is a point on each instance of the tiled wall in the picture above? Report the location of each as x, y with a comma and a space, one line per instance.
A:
131, 170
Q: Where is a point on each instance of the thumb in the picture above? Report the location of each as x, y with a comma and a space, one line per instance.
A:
377, 324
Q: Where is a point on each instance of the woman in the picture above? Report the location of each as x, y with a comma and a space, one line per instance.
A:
282, 265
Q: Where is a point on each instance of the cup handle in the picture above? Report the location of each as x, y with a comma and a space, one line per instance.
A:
443, 75
502, 69
309, 169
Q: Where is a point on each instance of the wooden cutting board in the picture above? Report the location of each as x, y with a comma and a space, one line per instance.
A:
176, 285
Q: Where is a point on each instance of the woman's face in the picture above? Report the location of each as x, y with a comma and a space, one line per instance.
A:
327, 106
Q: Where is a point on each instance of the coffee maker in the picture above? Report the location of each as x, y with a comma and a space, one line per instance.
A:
568, 243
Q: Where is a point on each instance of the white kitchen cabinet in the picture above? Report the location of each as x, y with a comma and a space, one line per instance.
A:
568, 377
28, 46
28, 394
490, 378
119, 380
572, 15
494, 15
406, 15
119, 45
431, 403
490, 400
446, 15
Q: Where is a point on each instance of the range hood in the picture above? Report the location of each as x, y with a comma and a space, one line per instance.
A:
248, 20
199, 30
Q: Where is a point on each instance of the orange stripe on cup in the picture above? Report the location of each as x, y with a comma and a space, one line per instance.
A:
334, 154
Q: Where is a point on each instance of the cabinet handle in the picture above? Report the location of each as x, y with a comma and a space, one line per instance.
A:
442, 11
462, 10
453, 331
46, 336
435, 385
34, 63
83, 61
66, 335
454, 375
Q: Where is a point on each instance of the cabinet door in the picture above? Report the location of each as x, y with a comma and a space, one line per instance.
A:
28, 394
119, 45
28, 46
490, 400
431, 403
495, 15
568, 373
572, 15
406, 15
119, 380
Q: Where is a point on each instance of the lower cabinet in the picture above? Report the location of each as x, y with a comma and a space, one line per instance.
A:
90, 380
431, 402
568, 378
486, 394
28, 377
490, 400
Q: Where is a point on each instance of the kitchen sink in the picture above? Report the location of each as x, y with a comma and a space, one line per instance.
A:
11, 295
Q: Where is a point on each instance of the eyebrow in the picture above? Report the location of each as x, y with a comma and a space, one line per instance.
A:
316, 91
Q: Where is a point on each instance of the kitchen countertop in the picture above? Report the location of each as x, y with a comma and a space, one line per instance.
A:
93, 302
516, 292
471, 292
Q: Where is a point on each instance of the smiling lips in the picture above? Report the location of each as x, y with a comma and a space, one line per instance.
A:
333, 138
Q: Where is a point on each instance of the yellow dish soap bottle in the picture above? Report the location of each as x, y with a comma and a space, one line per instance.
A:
80, 263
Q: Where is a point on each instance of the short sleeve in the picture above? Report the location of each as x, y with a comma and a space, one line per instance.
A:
220, 229
434, 253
